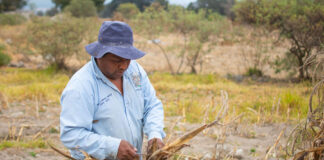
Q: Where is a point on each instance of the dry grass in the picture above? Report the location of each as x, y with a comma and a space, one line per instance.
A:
39, 143
23, 84
198, 98
262, 103
185, 94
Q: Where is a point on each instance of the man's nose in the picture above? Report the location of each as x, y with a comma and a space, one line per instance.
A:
124, 64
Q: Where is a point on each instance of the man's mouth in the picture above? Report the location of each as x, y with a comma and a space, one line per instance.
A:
120, 72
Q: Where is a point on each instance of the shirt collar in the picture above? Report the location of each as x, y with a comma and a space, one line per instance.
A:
96, 69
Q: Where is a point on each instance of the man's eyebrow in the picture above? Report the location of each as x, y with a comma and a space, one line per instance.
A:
118, 58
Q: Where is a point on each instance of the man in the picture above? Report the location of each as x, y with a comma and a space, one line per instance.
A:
110, 102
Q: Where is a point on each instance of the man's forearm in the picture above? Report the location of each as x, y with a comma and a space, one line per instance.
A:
153, 121
98, 146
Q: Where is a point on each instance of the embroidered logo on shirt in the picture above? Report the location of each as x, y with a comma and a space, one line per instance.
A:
106, 99
136, 79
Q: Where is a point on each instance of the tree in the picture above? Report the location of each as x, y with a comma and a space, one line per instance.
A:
197, 32
40, 13
61, 4
141, 4
58, 39
164, 3
52, 12
11, 5
127, 10
81, 8
222, 7
300, 21
150, 24
195, 29
110, 8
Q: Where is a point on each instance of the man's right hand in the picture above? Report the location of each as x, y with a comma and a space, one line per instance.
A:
126, 151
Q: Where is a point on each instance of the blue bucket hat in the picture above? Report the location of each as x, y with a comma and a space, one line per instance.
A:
117, 38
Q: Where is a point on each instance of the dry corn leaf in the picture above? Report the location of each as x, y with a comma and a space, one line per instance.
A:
179, 143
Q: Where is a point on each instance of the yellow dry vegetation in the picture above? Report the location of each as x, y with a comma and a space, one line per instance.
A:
196, 97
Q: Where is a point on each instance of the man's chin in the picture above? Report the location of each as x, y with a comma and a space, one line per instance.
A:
119, 75
116, 76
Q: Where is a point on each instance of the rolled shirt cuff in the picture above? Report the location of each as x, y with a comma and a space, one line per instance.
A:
112, 147
154, 135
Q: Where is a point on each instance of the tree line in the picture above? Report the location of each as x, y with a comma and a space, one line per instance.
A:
223, 7
300, 22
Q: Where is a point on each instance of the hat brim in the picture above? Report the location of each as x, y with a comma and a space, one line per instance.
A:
98, 50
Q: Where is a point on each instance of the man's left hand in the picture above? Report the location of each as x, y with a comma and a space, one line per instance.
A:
159, 142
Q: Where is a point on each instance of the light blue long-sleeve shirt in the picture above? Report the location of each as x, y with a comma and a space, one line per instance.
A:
95, 116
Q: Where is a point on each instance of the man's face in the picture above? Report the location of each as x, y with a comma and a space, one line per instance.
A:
112, 66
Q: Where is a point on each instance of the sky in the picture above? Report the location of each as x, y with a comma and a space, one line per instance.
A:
46, 4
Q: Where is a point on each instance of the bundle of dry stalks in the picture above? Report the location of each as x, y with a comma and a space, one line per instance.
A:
308, 137
169, 150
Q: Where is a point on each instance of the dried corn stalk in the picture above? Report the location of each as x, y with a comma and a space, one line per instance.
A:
308, 137
87, 157
171, 148
154, 154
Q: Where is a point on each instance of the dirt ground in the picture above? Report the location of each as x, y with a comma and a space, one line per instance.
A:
224, 59
240, 141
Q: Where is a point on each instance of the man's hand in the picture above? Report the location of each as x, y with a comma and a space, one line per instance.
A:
126, 151
153, 145
159, 143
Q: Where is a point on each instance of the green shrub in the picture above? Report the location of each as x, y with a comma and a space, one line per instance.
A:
254, 72
11, 5
11, 19
291, 100
197, 29
4, 58
199, 32
294, 103
33, 154
300, 21
59, 39
82, 8
151, 22
52, 12
128, 10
